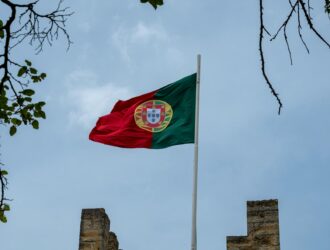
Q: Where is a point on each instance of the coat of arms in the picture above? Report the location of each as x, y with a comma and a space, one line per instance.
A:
153, 115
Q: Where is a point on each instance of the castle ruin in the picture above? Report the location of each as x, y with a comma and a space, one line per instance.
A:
262, 229
95, 231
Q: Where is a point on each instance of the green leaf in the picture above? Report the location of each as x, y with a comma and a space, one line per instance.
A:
12, 130
35, 78
327, 6
42, 114
41, 104
35, 124
3, 100
28, 92
43, 76
22, 71
3, 218
36, 114
37, 107
20, 100
28, 63
16, 121
154, 3
33, 71
4, 172
30, 106
1, 23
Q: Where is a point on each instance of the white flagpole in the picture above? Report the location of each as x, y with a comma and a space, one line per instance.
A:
194, 203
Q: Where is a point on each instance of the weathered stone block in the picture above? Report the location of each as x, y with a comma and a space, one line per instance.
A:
262, 227
95, 231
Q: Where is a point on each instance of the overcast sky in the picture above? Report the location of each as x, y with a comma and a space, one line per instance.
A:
247, 152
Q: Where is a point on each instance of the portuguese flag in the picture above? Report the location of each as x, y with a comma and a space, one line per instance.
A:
159, 119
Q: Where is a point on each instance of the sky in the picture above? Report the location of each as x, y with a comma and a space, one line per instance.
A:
247, 151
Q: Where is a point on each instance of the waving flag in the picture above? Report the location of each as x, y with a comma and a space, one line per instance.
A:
159, 119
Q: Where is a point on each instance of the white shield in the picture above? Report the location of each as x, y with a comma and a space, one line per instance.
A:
153, 115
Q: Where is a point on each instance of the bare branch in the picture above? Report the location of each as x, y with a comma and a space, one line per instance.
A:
286, 21
295, 8
41, 28
261, 36
268, 33
7, 29
287, 44
309, 9
38, 28
310, 23
299, 30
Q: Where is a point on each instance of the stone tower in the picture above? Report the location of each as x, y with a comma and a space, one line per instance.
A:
262, 227
95, 231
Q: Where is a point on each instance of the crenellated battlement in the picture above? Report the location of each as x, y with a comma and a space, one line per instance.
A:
262, 227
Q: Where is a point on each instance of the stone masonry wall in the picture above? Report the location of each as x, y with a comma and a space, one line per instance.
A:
95, 231
262, 227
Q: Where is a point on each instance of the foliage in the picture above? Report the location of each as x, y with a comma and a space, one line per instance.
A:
327, 6
4, 207
17, 79
20, 109
154, 3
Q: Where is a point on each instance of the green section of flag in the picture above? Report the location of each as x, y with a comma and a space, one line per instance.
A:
181, 95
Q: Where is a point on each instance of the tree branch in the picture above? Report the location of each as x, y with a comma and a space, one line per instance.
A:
295, 8
7, 29
310, 23
299, 30
261, 36
16, 103
3, 186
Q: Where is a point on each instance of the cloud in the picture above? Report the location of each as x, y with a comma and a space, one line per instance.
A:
144, 33
90, 99
124, 39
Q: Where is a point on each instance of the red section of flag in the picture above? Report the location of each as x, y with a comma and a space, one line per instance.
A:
119, 128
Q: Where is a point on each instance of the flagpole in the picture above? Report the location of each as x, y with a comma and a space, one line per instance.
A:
195, 178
